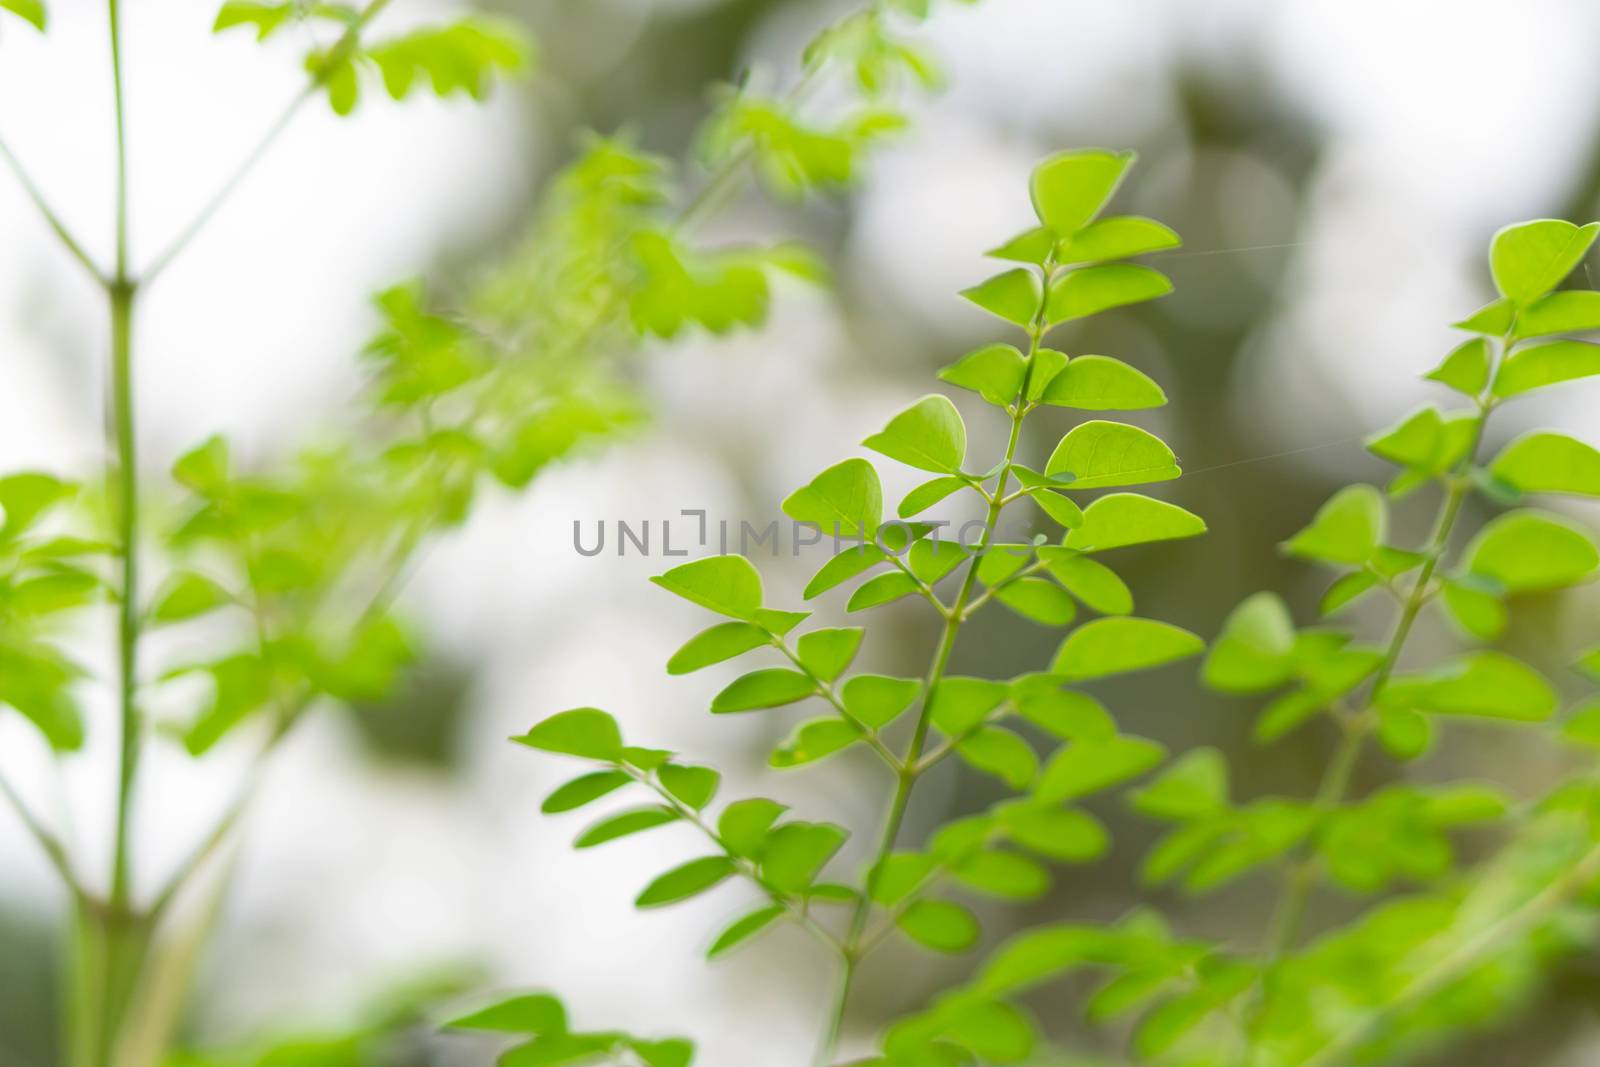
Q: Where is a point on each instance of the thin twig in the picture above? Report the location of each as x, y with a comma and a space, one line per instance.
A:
71, 243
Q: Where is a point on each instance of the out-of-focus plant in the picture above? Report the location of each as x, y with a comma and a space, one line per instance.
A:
1443, 950
288, 573
1071, 266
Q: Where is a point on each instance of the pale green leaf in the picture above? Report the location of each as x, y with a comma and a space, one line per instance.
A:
689, 880
1547, 364
1528, 551
1117, 237
929, 435
721, 642
1013, 296
585, 732
1529, 259
1547, 462
1347, 529
940, 925
729, 585
768, 688
1099, 454
1100, 383
994, 372
583, 790
1121, 644
1118, 520
1070, 188
826, 653
1091, 290
846, 500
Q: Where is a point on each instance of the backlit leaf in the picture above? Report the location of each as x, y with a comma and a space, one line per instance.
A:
1100, 383
1530, 258
929, 435
1121, 644
586, 732
729, 585
1099, 453
1546, 462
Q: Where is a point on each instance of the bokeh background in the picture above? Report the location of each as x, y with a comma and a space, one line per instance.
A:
1335, 166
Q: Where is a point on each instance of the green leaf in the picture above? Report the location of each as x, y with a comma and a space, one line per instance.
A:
187, 595
929, 435
1254, 651
960, 703
1100, 383
1099, 454
814, 740
1484, 683
928, 494
843, 567
994, 372
1493, 319
1546, 462
1001, 753
1086, 767
877, 700
900, 875
693, 787
1092, 582
462, 57
846, 500
1582, 727
940, 925
25, 497
1466, 369
1347, 529
1530, 258
204, 468
743, 929
1480, 613
1038, 599
30, 11
1066, 835
1031, 246
1117, 237
826, 653
796, 852
1347, 589
632, 821
689, 880
586, 732
1091, 290
1070, 188
1193, 787
1060, 508
744, 825
583, 790
1003, 874
1046, 364
1118, 520
881, 590
1067, 714
721, 642
1529, 551
1570, 311
1548, 364
1404, 733
1118, 645
728, 585
530, 1013
1013, 295
1589, 664
932, 560
768, 688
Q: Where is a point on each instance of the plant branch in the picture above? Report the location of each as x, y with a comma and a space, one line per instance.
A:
49, 841
341, 50
1456, 964
59, 228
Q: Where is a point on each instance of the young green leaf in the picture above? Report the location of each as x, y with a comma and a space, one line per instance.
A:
530, 1013
1569, 311
1038, 599
843, 567
877, 700
1087, 767
1013, 295
1091, 290
1100, 383
743, 929
586, 732
728, 585
1118, 520
583, 790
994, 372
1099, 454
1547, 462
768, 688
814, 740
1254, 652
1092, 582
1000, 752
721, 642
1347, 529
1118, 645
960, 704
881, 590
693, 787
796, 852
744, 825
1528, 551
929, 435
689, 880
941, 925
1547, 364
1485, 683
826, 653
1530, 258
30, 11
622, 824
1193, 787
846, 500
1070, 188
1466, 369
1117, 237
1002, 874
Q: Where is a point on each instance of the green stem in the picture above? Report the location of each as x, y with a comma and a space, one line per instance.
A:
910, 765
1289, 916
59, 228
